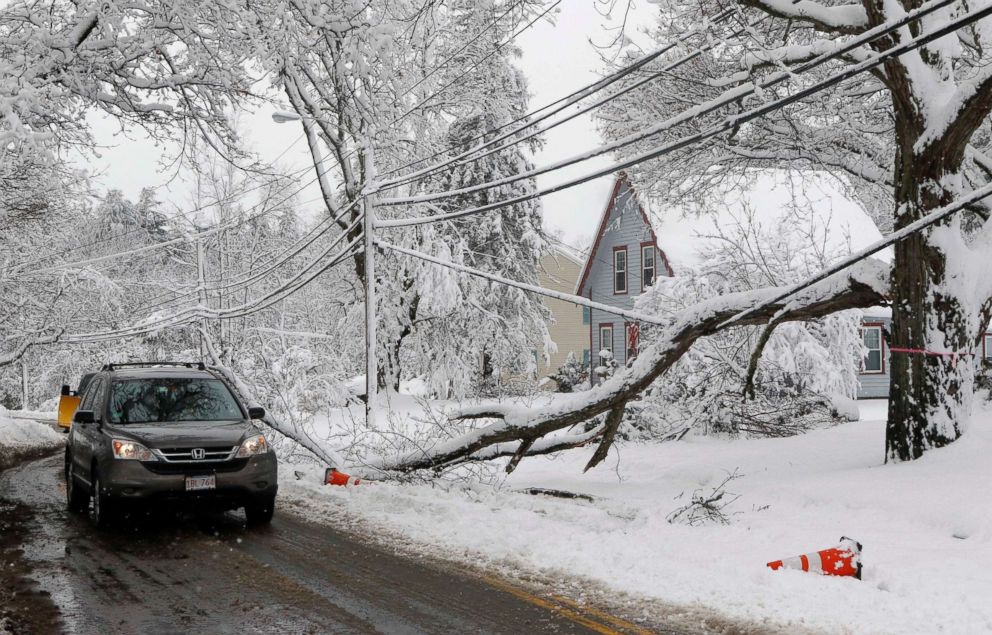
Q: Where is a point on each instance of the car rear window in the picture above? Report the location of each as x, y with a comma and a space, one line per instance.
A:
163, 399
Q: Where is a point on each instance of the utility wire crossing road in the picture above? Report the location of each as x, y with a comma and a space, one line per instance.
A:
211, 575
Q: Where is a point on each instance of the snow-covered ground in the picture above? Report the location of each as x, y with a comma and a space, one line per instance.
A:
20, 433
926, 526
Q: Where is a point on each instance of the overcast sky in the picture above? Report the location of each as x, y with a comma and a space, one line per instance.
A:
557, 58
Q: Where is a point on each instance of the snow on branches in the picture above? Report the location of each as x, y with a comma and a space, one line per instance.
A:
863, 285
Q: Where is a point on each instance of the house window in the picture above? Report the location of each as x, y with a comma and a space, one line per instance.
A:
988, 346
873, 349
647, 266
586, 315
620, 270
605, 340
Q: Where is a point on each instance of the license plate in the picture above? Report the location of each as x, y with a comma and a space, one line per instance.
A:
201, 482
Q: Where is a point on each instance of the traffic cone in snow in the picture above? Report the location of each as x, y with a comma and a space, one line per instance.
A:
333, 477
844, 560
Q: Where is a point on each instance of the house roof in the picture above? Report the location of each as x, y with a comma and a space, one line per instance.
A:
560, 249
604, 221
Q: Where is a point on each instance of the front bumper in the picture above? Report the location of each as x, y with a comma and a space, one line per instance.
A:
146, 481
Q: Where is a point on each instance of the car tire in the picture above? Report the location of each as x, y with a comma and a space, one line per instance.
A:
76, 498
260, 511
105, 508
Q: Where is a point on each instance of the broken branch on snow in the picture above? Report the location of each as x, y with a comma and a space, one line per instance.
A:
863, 285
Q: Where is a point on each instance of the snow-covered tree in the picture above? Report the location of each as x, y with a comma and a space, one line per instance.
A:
908, 137
805, 373
570, 375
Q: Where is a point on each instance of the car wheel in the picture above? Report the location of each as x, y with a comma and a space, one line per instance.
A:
260, 512
104, 507
77, 499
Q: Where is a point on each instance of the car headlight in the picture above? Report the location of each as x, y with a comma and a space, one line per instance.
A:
124, 449
252, 446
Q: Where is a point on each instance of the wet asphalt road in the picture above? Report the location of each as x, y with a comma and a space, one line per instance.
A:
210, 574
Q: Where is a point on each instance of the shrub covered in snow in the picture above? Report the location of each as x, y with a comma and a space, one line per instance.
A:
569, 375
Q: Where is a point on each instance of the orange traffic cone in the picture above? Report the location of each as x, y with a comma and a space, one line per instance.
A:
333, 477
844, 559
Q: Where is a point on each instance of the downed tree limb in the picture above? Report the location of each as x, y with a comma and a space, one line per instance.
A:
319, 450
863, 285
609, 433
528, 447
759, 348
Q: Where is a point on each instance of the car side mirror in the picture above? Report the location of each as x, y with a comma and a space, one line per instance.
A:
66, 391
256, 412
83, 416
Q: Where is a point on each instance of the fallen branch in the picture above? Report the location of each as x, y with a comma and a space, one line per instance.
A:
862, 285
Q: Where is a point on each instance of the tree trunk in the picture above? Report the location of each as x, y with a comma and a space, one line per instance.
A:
929, 395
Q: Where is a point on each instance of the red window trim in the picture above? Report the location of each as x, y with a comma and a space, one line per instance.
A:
630, 352
655, 248
881, 345
626, 271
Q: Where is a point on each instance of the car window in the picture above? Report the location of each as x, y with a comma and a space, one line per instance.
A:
172, 399
92, 389
99, 399
84, 382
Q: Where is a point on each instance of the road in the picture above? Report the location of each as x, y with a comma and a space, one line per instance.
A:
211, 574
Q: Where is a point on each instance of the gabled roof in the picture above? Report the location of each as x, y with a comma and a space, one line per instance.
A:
604, 221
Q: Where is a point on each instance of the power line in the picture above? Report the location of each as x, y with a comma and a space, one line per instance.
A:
182, 215
929, 220
531, 118
285, 256
466, 156
558, 295
471, 68
729, 123
193, 313
490, 26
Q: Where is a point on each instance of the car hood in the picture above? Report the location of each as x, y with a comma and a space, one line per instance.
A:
185, 433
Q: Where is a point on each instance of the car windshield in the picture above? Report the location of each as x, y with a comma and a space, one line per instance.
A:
172, 399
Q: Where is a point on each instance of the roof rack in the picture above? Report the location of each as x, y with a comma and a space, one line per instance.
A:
116, 365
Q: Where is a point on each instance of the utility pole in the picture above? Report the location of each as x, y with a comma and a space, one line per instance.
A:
201, 290
371, 369
368, 227
24, 384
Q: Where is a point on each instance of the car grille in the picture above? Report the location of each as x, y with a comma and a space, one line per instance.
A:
195, 467
185, 455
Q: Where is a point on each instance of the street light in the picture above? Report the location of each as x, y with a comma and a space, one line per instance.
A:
282, 116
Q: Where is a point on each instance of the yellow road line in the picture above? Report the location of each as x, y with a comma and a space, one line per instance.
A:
624, 625
583, 615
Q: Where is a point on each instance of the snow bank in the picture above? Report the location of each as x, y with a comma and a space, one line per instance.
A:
926, 526
19, 433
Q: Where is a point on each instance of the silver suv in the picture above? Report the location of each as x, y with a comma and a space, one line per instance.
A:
167, 432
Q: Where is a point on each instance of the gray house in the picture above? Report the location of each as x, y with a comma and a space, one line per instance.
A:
874, 375
624, 261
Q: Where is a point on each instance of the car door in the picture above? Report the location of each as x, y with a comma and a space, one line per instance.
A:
84, 435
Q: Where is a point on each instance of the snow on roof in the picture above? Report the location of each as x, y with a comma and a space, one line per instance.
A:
878, 312
568, 251
681, 232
